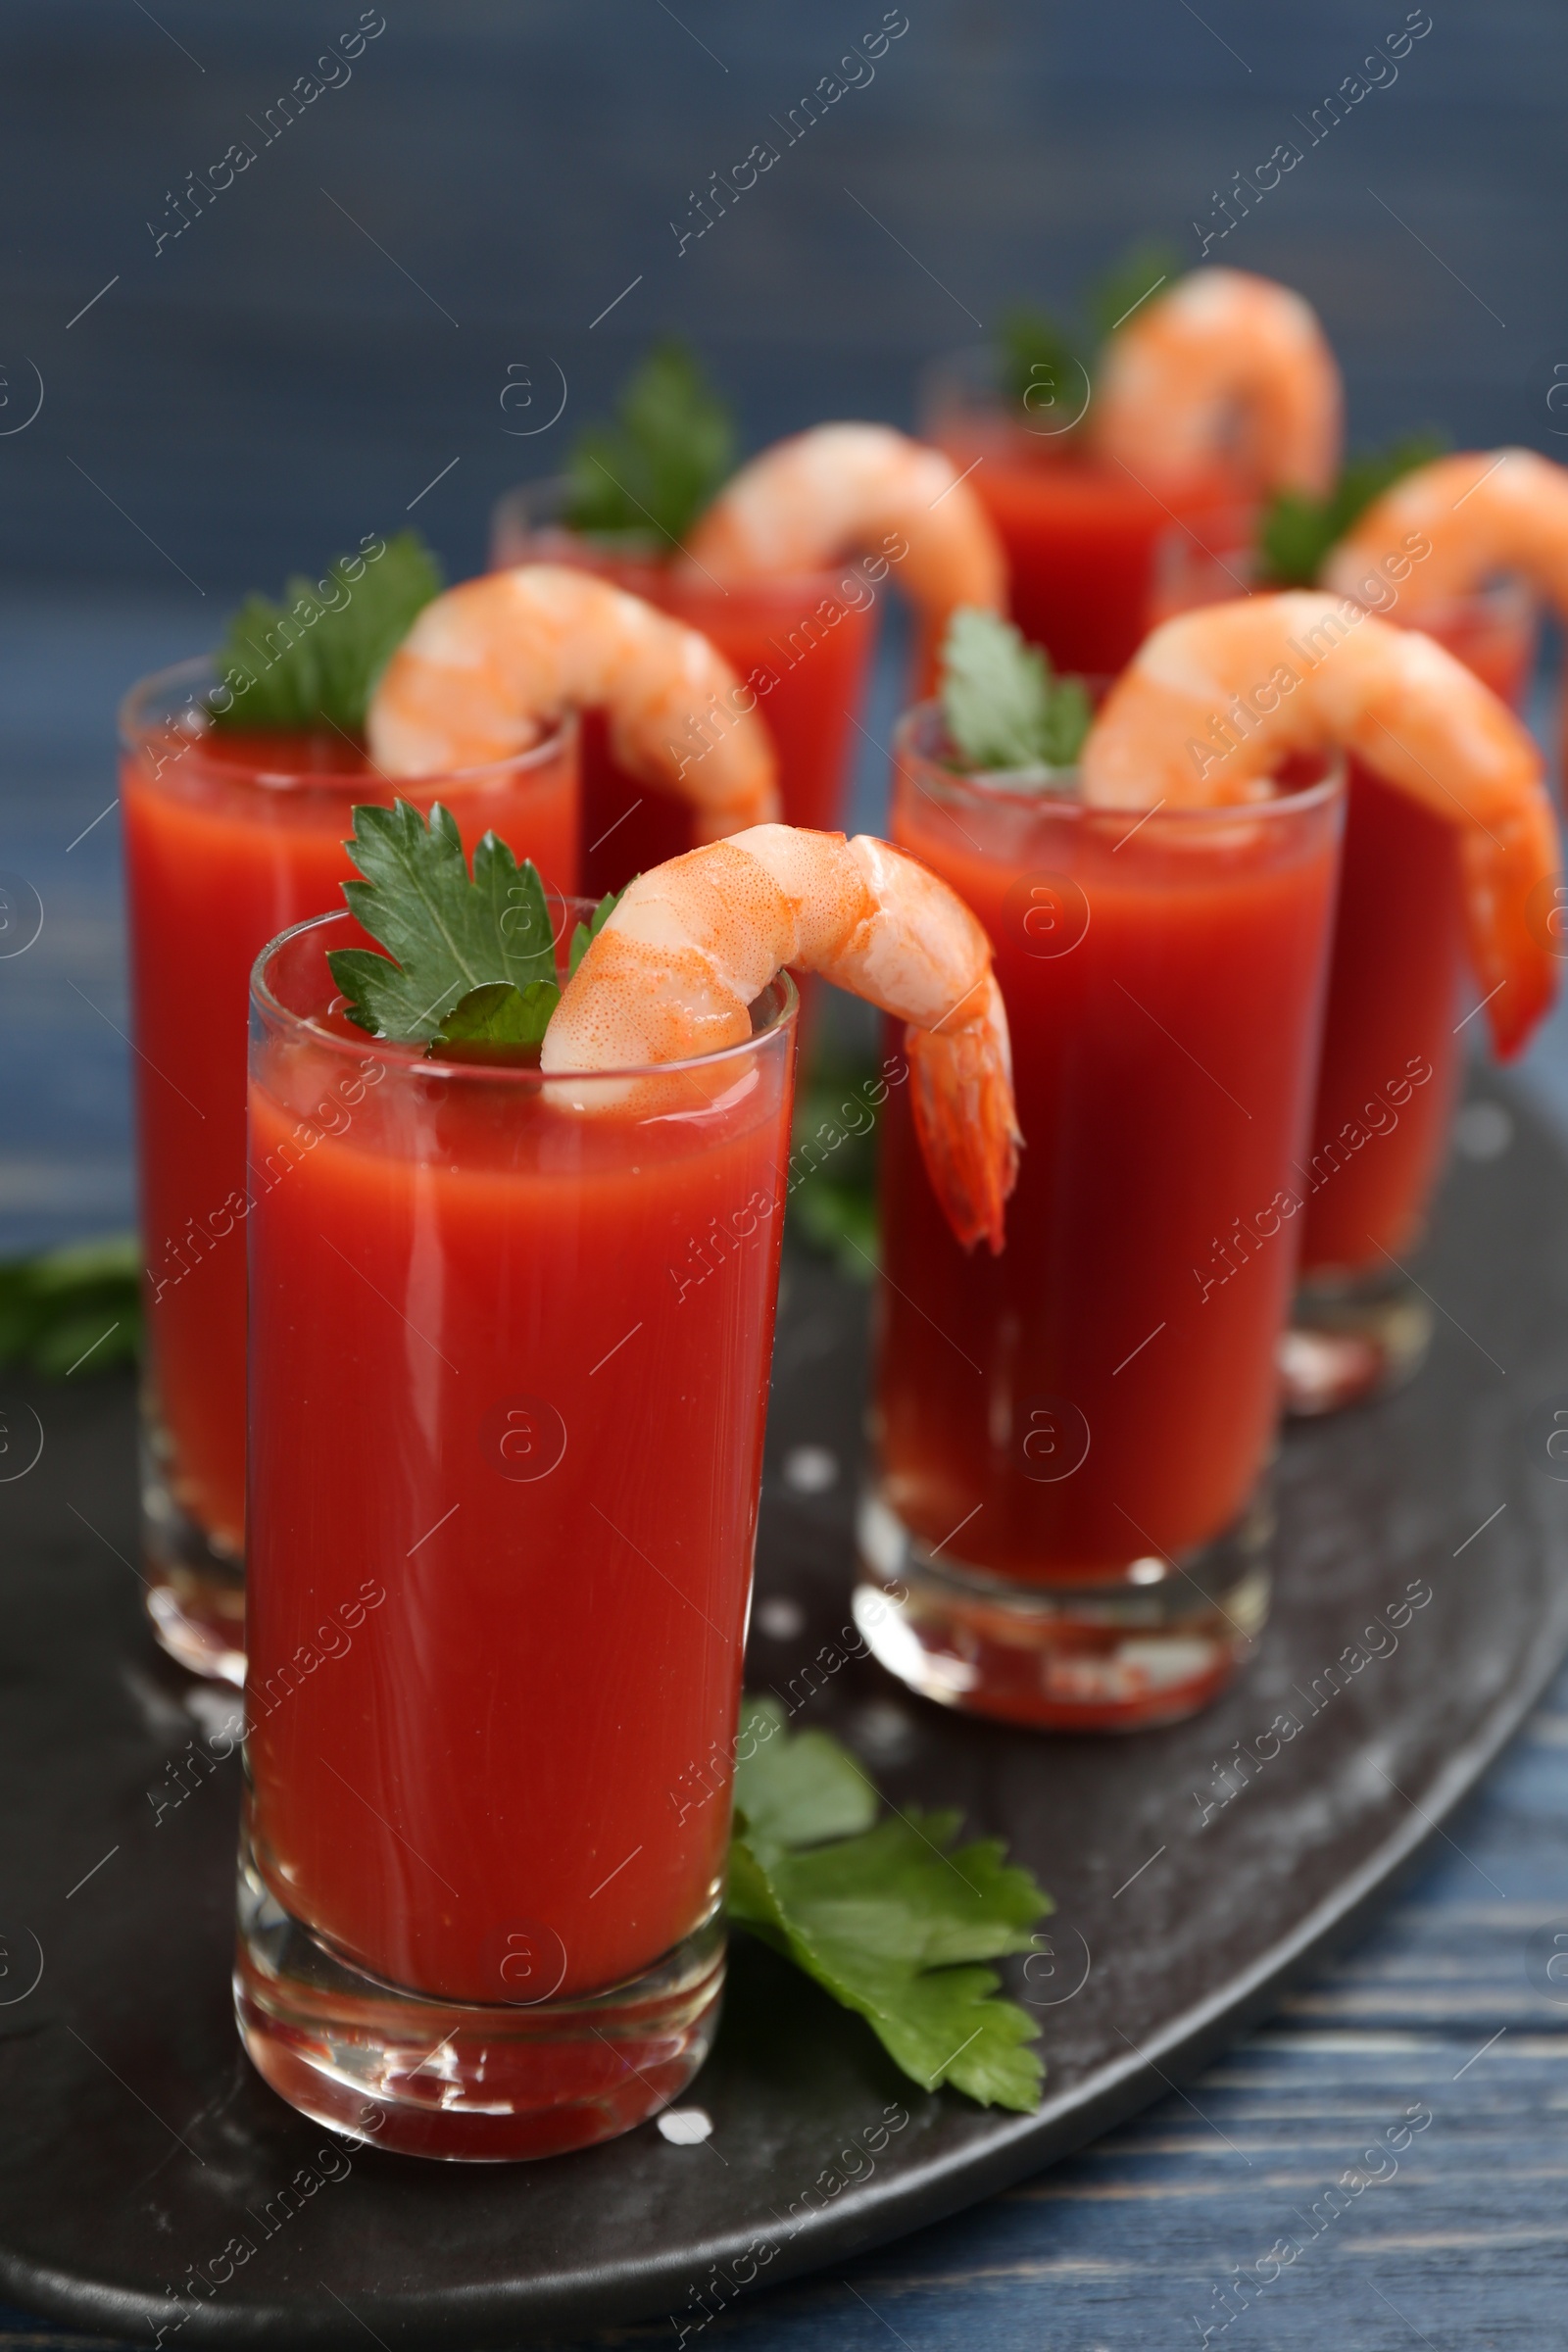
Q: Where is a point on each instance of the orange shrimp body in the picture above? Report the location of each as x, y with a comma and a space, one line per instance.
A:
1223, 364
490, 666
690, 945
845, 490
1480, 513
1215, 698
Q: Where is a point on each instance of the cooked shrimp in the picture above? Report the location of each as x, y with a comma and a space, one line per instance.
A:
1224, 365
488, 667
690, 945
1214, 700
845, 490
1482, 512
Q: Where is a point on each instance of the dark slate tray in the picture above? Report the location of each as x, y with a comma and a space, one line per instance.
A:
137, 2142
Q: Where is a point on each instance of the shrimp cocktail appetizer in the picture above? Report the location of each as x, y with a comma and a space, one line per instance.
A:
1069, 1522
1207, 394
781, 564
239, 780
1460, 548
510, 1326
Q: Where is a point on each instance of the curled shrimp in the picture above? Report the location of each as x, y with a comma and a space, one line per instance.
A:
1225, 364
690, 945
845, 490
1446, 528
490, 666
1215, 698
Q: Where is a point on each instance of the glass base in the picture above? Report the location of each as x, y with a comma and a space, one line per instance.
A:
1113, 1654
195, 1592
479, 2083
1352, 1340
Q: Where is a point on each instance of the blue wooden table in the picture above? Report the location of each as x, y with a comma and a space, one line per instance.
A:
1451, 2008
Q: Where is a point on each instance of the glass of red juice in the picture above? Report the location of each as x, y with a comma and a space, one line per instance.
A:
798, 645
1395, 1028
1081, 534
230, 836
509, 1349
1068, 1522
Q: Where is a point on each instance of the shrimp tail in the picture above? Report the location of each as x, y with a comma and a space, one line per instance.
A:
1509, 953
961, 1096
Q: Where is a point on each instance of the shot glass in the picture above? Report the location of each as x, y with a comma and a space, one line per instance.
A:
1395, 1029
509, 1349
1068, 1520
231, 835
1081, 534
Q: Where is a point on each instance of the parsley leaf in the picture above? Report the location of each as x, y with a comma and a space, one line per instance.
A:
797, 1791
316, 657
1130, 281
1042, 361
1297, 532
499, 1014
584, 935
448, 938
833, 1162
838, 1218
888, 1920
656, 468
79, 1305
1040, 364
1003, 706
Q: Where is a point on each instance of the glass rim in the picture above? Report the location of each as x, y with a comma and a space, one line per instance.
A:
964, 385
1067, 801
405, 1056
516, 503
135, 732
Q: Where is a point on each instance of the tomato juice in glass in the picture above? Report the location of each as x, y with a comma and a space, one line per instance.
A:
509, 1349
1398, 978
800, 647
1063, 1430
1392, 1044
1393, 1049
230, 836
1081, 534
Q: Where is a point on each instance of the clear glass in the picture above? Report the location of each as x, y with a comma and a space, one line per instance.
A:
510, 1349
1069, 1512
1082, 533
802, 644
1392, 1044
230, 837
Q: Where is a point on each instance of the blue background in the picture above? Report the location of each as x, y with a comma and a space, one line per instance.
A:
337, 328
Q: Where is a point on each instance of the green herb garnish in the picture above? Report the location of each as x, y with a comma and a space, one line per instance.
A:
468, 962
314, 659
1143, 271
584, 934
75, 1309
1040, 364
1297, 532
832, 1203
656, 468
1043, 363
886, 1913
1004, 708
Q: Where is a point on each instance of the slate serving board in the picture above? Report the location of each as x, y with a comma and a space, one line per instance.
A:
138, 2143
